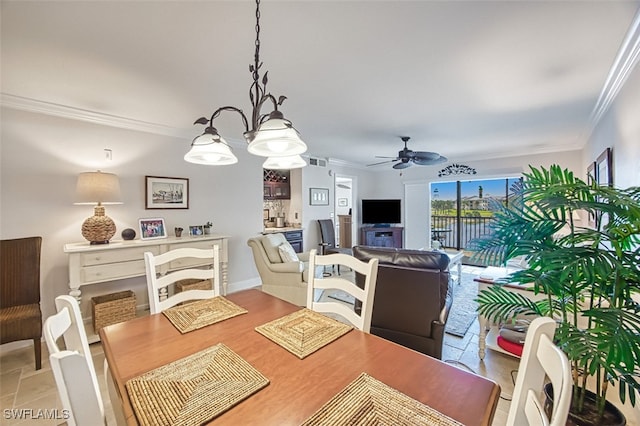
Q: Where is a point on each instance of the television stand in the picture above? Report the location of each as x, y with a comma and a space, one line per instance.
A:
381, 236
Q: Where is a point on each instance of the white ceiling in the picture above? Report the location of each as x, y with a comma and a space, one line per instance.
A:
468, 79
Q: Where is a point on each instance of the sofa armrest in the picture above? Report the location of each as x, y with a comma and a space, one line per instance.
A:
444, 314
293, 267
304, 256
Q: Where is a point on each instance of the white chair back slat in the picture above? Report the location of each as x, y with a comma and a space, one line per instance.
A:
158, 283
72, 367
369, 270
541, 358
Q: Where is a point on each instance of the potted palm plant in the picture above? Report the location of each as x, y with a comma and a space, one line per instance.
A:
589, 274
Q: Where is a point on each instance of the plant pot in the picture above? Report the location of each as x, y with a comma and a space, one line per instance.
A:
589, 416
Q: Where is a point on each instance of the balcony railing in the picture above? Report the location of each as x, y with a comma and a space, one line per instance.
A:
454, 234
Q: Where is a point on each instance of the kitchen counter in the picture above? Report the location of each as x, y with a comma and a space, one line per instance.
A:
285, 229
293, 234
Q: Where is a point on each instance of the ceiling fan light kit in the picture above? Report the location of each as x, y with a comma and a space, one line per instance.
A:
270, 135
407, 157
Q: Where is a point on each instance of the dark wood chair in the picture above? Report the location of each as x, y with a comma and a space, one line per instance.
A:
20, 315
328, 240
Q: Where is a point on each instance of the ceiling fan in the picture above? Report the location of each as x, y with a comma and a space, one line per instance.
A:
407, 157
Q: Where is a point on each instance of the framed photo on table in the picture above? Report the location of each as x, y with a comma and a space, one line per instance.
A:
196, 230
166, 192
152, 228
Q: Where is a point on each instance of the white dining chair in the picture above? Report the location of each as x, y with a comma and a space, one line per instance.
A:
114, 396
160, 276
541, 358
370, 272
72, 367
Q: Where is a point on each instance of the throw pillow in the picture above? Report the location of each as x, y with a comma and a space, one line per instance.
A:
287, 253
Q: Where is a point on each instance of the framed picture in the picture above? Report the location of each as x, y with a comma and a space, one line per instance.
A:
318, 196
342, 202
152, 228
166, 192
604, 174
196, 230
265, 214
591, 177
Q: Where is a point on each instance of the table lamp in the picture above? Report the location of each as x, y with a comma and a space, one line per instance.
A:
98, 188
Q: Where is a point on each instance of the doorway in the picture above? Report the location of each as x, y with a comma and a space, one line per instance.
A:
345, 210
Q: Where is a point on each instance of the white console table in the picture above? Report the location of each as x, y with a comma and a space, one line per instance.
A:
488, 337
95, 264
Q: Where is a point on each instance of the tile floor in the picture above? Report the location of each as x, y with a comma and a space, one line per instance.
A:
22, 387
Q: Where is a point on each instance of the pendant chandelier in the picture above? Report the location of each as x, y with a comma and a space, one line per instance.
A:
271, 135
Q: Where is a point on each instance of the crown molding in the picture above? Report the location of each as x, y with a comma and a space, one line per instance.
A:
626, 60
344, 163
49, 108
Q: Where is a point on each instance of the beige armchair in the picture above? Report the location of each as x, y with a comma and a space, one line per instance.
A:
285, 280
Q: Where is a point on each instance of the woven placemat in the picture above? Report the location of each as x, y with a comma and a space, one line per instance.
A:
193, 316
367, 401
303, 332
195, 389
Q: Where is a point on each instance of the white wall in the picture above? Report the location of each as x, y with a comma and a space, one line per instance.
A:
42, 155
619, 129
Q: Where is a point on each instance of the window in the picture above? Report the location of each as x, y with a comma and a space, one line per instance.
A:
461, 210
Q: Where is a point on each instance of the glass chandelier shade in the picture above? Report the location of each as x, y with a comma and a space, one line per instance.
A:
210, 149
284, 163
276, 137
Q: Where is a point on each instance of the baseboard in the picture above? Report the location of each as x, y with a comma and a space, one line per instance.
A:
243, 285
14, 346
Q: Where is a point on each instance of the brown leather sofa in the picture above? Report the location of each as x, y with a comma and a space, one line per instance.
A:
413, 297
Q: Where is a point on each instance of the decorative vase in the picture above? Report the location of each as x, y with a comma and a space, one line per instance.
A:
128, 234
589, 416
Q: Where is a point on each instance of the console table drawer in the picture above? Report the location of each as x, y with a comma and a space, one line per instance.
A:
116, 256
106, 272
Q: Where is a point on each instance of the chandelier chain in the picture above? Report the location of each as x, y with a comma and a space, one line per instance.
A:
257, 97
256, 75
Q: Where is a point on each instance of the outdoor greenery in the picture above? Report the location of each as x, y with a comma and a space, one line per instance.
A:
589, 269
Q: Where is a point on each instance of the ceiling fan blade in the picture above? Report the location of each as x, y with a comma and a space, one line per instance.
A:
424, 155
430, 162
382, 162
382, 156
402, 165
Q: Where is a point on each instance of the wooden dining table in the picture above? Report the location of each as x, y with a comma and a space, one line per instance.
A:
297, 387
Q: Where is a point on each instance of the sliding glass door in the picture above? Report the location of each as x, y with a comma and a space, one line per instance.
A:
461, 211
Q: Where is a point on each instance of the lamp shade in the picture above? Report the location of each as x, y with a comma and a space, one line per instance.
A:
276, 137
288, 162
210, 149
98, 188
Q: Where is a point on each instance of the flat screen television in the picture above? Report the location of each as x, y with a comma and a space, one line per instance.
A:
378, 212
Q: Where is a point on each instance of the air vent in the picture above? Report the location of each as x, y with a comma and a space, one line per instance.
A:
317, 162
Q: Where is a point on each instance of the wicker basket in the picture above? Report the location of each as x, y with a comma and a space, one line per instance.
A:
193, 284
113, 308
